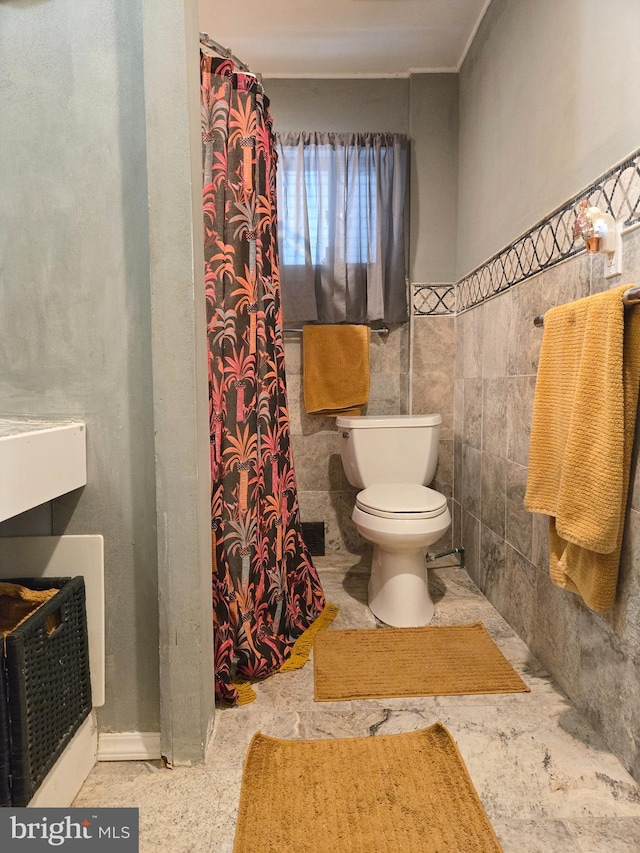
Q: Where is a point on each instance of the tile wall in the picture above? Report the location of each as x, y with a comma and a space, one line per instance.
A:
595, 658
323, 490
432, 386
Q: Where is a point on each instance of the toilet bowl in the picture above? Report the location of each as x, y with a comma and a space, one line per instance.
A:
392, 458
401, 520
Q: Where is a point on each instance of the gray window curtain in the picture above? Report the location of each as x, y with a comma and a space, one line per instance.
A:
341, 218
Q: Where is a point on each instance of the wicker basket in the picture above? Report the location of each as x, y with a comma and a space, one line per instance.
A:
46, 675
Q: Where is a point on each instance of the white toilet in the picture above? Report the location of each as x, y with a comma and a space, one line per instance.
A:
391, 458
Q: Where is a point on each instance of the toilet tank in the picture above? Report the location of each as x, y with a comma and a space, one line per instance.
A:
389, 448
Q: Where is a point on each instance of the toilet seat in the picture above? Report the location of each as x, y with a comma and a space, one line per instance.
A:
401, 500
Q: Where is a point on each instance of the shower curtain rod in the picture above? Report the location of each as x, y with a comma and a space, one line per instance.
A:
629, 297
225, 52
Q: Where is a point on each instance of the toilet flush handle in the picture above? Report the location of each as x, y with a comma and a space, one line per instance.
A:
346, 434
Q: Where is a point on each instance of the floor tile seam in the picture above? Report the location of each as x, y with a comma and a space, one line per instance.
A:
108, 780
537, 693
522, 700
574, 837
516, 701
478, 599
513, 823
482, 609
554, 814
430, 704
127, 776
589, 822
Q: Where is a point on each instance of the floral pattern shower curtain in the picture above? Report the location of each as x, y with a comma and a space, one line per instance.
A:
265, 589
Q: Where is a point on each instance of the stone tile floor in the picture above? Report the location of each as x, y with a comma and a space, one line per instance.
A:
546, 780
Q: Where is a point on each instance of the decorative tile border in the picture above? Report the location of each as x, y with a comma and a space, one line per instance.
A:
428, 300
550, 241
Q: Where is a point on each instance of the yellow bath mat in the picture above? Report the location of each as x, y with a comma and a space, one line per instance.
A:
582, 435
432, 661
398, 793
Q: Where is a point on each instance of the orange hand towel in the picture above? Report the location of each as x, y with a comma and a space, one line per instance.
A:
582, 435
335, 368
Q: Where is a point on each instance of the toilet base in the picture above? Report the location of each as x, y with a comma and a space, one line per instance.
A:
399, 588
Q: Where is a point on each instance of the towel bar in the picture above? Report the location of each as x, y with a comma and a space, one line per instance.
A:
381, 331
631, 297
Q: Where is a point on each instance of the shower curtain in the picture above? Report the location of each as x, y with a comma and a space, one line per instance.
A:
265, 588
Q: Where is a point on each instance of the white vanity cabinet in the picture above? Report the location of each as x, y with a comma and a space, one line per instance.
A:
40, 461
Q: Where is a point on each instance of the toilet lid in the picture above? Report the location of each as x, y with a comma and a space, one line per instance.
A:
389, 500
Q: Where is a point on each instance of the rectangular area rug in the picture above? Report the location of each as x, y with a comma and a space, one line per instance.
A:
401, 793
381, 663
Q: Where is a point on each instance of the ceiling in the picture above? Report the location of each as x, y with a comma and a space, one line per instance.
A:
344, 38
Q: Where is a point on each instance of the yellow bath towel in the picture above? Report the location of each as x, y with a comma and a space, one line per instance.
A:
335, 368
582, 434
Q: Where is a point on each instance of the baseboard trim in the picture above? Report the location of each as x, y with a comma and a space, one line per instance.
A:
128, 746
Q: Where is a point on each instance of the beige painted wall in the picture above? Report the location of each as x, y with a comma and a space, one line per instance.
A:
548, 102
339, 106
433, 108
75, 319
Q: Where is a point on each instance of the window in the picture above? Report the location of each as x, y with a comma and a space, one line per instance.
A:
341, 226
356, 191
